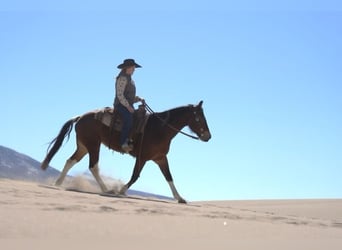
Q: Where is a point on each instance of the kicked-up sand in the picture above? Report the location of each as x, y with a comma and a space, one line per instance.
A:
35, 216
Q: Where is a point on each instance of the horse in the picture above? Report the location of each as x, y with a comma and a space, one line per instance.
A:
152, 144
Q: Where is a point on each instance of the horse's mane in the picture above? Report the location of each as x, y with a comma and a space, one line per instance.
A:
171, 114
176, 110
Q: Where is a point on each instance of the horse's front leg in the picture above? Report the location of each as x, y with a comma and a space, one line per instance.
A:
139, 164
164, 167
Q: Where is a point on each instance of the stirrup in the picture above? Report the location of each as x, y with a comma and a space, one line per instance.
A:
126, 147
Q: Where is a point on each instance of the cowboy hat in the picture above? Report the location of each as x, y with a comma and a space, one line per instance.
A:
128, 63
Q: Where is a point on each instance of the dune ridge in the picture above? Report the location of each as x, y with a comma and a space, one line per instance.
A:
43, 213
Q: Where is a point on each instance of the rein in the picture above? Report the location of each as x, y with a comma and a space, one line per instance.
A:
148, 108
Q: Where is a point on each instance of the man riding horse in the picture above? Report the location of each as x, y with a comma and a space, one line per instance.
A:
125, 97
151, 144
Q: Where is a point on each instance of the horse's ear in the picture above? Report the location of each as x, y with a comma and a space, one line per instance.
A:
200, 104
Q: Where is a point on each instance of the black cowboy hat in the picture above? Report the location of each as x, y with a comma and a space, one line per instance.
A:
128, 63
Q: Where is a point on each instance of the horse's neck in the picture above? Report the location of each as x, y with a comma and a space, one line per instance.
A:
177, 119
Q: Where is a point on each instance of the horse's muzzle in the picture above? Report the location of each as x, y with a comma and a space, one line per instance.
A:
205, 136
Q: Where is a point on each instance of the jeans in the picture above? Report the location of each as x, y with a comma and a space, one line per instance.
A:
127, 118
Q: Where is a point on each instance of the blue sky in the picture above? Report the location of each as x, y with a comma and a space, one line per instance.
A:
269, 74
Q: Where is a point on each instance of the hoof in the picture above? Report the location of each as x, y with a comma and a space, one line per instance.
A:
182, 201
113, 192
58, 183
123, 191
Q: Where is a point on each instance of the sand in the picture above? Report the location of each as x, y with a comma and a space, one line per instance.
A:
44, 217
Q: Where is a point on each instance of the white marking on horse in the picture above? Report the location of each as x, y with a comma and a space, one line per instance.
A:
95, 171
68, 165
174, 191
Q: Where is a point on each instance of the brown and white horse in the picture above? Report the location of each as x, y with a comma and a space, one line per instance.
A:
153, 144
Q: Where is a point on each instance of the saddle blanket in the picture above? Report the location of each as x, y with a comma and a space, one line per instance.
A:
111, 118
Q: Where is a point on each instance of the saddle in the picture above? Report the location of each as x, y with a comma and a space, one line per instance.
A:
112, 118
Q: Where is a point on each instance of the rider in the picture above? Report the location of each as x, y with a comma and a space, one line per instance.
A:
125, 97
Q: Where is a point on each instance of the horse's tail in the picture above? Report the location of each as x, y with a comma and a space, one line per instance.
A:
57, 142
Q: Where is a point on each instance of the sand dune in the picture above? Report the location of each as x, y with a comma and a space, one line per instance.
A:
45, 217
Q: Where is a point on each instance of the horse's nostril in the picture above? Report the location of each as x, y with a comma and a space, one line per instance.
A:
205, 136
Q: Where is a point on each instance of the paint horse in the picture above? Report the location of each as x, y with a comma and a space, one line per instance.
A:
153, 144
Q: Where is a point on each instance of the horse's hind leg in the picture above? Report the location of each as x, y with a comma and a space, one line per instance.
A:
94, 167
68, 165
95, 171
80, 152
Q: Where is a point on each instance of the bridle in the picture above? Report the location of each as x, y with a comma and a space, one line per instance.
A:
148, 108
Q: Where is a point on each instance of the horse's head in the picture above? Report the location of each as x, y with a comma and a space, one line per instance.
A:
198, 123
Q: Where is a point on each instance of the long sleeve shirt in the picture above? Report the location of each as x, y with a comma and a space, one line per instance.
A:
125, 92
